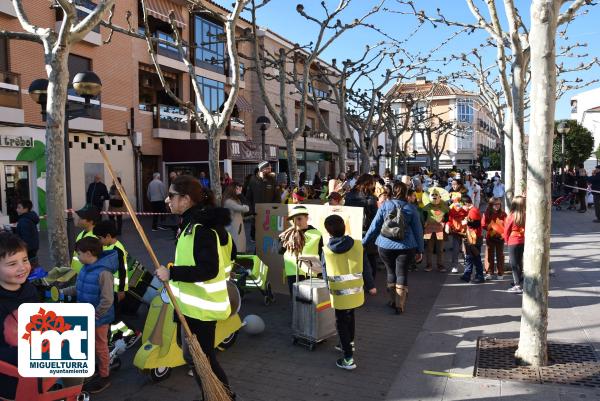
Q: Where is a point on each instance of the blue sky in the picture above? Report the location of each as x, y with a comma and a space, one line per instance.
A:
281, 17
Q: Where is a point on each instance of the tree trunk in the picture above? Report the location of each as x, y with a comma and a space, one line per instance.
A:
532, 348
365, 165
58, 78
518, 133
502, 153
508, 178
292, 160
342, 152
214, 169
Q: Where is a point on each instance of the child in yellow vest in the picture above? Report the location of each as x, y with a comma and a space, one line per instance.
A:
344, 271
88, 216
106, 232
313, 245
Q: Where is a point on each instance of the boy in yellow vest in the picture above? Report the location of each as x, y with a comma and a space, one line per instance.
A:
106, 232
88, 216
344, 271
313, 244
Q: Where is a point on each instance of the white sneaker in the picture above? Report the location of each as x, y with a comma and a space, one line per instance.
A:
454, 270
515, 290
488, 277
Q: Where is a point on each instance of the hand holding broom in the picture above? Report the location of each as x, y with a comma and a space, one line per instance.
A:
213, 389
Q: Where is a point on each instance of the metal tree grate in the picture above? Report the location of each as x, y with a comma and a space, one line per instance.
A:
573, 364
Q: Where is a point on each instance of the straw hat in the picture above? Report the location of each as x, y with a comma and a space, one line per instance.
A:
298, 211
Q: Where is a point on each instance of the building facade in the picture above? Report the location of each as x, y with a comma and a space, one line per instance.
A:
585, 109
469, 127
141, 127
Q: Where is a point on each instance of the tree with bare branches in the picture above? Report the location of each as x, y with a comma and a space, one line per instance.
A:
546, 17
56, 45
299, 64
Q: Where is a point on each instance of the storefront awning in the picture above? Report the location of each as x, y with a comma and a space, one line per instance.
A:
242, 104
160, 9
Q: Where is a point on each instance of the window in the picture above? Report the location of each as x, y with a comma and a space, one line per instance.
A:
242, 71
465, 139
418, 141
208, 38
419, 113
573, 106
465, 110
83, 8
213, 93
4, 65
76, 65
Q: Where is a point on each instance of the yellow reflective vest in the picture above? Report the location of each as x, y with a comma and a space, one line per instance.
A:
312, 238
226, 251
119, 245
202, 300
344, 277
75, 263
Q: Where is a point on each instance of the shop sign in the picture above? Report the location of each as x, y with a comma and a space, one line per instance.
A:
249, 151
10, 141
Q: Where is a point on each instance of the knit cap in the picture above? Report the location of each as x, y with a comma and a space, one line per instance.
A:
474, 214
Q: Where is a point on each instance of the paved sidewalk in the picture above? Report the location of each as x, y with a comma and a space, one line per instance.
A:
463, 312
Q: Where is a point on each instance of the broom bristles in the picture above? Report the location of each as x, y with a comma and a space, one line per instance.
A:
213, 388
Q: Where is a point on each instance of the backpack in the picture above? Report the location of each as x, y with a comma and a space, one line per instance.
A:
394, 225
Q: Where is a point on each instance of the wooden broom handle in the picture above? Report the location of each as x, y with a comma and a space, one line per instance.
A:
145, 240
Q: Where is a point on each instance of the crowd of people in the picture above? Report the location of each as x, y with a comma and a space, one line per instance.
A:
409, 223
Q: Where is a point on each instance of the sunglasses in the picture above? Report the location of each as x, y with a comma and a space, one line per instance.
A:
173, 194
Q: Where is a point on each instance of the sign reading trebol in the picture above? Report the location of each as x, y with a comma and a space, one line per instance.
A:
10, 141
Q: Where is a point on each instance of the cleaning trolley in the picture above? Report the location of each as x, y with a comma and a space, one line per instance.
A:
313, 318
250, 273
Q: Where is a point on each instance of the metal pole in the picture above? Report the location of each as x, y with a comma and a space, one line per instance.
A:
263, 128
305, 164
562, 144
68, 181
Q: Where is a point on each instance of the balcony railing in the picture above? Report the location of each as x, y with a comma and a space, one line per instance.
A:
10, 94
171, 117
237, 127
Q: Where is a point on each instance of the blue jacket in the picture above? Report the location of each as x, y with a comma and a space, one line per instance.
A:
27, 230
88, 283
413, 237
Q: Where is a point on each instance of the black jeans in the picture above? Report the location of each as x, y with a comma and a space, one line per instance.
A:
581, 195
397, 262
515, 253
344, 322
157, 207
372, 258
205, 333
597, 205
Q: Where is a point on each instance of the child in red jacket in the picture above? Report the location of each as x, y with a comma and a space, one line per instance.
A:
514, 236
473, 241
456, 227
493, 224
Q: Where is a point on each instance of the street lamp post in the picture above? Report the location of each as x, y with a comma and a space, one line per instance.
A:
563, 129
368, 146
379, 154
307, 129
263, 123
87, 85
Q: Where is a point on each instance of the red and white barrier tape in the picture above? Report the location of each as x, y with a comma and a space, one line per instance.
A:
125, 213
583, 189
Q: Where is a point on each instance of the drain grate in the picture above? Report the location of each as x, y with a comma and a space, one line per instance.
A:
573, 364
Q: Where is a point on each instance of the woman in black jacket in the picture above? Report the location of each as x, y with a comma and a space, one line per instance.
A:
363, 195
202, 234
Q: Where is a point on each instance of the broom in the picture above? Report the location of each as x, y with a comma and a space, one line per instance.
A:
213, 388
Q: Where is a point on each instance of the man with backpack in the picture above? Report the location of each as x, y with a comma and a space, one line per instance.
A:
399, 238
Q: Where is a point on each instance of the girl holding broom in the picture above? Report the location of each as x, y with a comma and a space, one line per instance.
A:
197, 277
